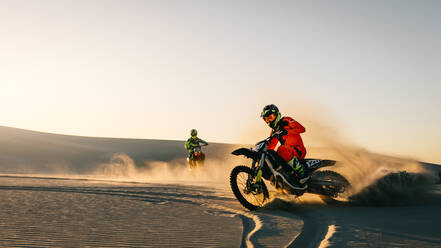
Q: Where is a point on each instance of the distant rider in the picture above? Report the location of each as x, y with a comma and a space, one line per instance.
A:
288, 144
193, 142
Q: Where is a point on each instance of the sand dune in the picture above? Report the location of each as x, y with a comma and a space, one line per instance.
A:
67, 191
29, 151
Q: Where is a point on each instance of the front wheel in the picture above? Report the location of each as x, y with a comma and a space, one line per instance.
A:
201, 161
192, 164
250, 194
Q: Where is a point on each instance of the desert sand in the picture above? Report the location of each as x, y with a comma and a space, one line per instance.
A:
68, 191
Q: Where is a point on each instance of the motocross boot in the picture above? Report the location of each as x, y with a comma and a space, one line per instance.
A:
291, 177
302, 176
287, 172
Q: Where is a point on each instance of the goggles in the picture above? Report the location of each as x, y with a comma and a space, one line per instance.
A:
269, 118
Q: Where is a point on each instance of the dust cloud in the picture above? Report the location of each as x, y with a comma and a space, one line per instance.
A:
376, 179
122, 168
396, 189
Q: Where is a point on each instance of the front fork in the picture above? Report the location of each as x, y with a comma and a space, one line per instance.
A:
253, 182
259, 170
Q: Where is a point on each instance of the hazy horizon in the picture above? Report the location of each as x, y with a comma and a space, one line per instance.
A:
357, 72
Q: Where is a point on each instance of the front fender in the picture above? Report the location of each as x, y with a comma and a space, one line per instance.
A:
246, 152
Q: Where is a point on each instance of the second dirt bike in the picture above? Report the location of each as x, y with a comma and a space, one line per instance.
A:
197, 159
252, 192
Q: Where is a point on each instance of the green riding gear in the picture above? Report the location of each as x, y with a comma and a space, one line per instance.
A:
193, 142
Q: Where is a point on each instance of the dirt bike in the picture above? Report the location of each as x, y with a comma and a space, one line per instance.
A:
252, 193
197, 159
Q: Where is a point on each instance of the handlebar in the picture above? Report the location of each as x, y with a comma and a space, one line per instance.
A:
267, 140
275, 134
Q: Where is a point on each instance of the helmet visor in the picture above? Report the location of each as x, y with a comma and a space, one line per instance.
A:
194, 133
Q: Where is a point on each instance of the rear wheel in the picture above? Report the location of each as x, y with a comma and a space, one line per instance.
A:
251, 195
330, 186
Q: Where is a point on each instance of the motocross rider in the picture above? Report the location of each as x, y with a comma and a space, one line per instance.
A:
193, 142
288, 144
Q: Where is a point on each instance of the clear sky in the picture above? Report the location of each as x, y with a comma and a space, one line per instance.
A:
367, 70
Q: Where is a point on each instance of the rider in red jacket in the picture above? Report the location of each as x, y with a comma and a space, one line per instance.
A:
289, 144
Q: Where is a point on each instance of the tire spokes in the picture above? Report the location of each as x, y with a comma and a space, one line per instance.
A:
256, 199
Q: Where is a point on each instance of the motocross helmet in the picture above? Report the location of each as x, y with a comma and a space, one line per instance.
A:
271, 115
194, 133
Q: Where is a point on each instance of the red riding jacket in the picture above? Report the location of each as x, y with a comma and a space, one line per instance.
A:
290, 143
